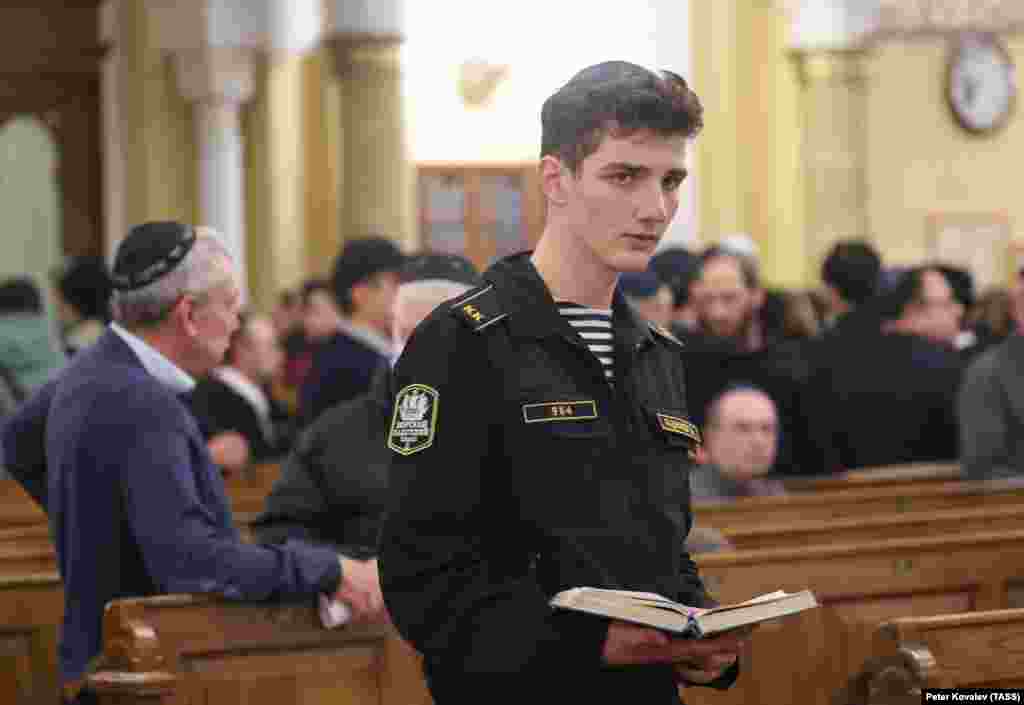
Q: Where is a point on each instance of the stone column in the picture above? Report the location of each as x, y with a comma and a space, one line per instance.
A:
831, 41
376, 174
834, 146
218, 82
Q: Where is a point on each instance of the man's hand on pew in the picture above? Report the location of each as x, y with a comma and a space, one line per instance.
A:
360, 590
230, 451
631, 644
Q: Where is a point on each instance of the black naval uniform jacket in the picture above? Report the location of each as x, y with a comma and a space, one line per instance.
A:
518, 471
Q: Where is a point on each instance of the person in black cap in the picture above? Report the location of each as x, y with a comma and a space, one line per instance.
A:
83, 290
678, 268
136, 505
539, 435
364, 281
333, 486
651, 298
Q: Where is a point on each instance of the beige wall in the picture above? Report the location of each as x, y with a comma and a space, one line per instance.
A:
749, 163
920, 162
158, 133
30, 243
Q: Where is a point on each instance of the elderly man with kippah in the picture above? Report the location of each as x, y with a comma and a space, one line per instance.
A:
136, 505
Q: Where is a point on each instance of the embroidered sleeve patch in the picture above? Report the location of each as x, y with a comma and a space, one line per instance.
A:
559, 411
674, 424
414, 420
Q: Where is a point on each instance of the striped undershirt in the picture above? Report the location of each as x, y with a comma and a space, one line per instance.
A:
594, 325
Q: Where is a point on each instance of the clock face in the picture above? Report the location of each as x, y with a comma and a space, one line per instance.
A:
982, 85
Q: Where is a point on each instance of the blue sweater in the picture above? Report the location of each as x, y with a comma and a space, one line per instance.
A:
342, 369
136, 505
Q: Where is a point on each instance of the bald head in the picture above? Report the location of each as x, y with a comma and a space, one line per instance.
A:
742, 432
415, 301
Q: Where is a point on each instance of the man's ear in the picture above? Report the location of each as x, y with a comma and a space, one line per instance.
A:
358, 294
183, 316
552, 179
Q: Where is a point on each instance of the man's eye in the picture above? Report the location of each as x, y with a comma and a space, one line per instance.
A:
622, 179
672, 183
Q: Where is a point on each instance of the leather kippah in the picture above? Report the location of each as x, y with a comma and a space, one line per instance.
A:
150, 251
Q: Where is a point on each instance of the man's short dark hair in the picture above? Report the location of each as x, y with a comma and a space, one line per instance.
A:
852, 267
908, 289
363, 260
961, 282
748, 266
620, 98
20, 295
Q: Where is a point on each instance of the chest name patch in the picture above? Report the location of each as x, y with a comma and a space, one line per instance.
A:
559, 411
674, 424
414, 420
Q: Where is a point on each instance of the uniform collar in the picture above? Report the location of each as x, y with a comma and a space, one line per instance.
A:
532, 312
155, 363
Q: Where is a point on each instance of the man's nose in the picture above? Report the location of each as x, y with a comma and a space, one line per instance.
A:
653, 204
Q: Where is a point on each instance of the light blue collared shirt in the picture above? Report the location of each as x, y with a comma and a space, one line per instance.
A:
165, 371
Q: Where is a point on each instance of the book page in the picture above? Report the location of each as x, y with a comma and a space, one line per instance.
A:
760, 599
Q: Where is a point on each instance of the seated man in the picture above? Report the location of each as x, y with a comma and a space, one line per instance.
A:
991, 405
233, 405
333, 486
364, 281
651, 297
136, 506
888, 396
740, 441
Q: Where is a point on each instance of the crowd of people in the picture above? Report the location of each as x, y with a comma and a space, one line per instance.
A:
492, 437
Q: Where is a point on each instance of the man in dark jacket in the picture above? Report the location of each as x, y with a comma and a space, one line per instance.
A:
889, 395
364, 282
539, 436
233, 404
333, 486
136, 506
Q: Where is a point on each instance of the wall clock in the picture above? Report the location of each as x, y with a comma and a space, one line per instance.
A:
981, 84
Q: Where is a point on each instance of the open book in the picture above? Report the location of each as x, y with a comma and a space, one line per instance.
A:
660, 612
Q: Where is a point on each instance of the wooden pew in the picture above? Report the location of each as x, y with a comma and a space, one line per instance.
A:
965, 650
191, 649
248, 491
806, 658
907, 475
875, 528
31, 609
846, 503
16, 507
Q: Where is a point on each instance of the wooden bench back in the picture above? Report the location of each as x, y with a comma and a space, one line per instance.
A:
908, 475
860, 502
806, 658
940, 522
185, 649
965, 650
31, 609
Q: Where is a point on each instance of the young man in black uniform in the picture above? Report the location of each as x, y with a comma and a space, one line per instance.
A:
540, 439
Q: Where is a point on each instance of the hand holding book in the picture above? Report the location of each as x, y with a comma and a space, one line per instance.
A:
696, 660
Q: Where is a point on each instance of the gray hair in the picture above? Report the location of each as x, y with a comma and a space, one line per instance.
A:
433, 291
196, 274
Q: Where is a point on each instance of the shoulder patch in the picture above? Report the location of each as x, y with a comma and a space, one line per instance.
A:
414, 420
665, 334
478, 308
